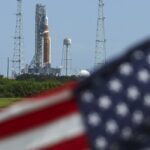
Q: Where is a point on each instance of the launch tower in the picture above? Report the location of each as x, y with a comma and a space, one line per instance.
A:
100, 50
39, 29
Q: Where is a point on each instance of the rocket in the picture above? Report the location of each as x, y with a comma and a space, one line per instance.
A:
46, 44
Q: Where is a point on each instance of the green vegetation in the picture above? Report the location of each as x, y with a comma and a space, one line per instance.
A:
27, 85
4, 102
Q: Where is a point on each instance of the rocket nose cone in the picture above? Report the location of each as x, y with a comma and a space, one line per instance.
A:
46, 20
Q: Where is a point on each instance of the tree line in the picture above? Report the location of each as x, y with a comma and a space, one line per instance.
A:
27, 85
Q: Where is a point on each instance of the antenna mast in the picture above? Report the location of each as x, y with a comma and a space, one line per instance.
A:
100, 50
18, 60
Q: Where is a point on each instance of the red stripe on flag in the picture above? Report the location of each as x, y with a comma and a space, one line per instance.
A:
78, 143
37, 118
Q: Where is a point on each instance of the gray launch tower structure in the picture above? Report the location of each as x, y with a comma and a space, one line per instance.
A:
37, 61
39, 29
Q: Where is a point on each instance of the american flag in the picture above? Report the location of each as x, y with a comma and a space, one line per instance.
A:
109, 110
115, 102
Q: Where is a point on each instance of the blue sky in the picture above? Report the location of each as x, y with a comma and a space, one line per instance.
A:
127, 21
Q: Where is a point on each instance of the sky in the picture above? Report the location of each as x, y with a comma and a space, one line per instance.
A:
126, 23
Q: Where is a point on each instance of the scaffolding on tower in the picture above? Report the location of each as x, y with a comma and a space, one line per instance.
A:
18, 57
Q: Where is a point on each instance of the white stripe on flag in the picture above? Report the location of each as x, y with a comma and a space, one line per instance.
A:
32, 104
49, 134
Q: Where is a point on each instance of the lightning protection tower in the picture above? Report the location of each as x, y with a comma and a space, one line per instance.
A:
100, 50
66, 58
18, 59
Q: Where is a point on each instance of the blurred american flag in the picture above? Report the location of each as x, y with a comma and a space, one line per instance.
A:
48, 121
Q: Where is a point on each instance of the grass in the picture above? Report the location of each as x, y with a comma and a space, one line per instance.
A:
4, 102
